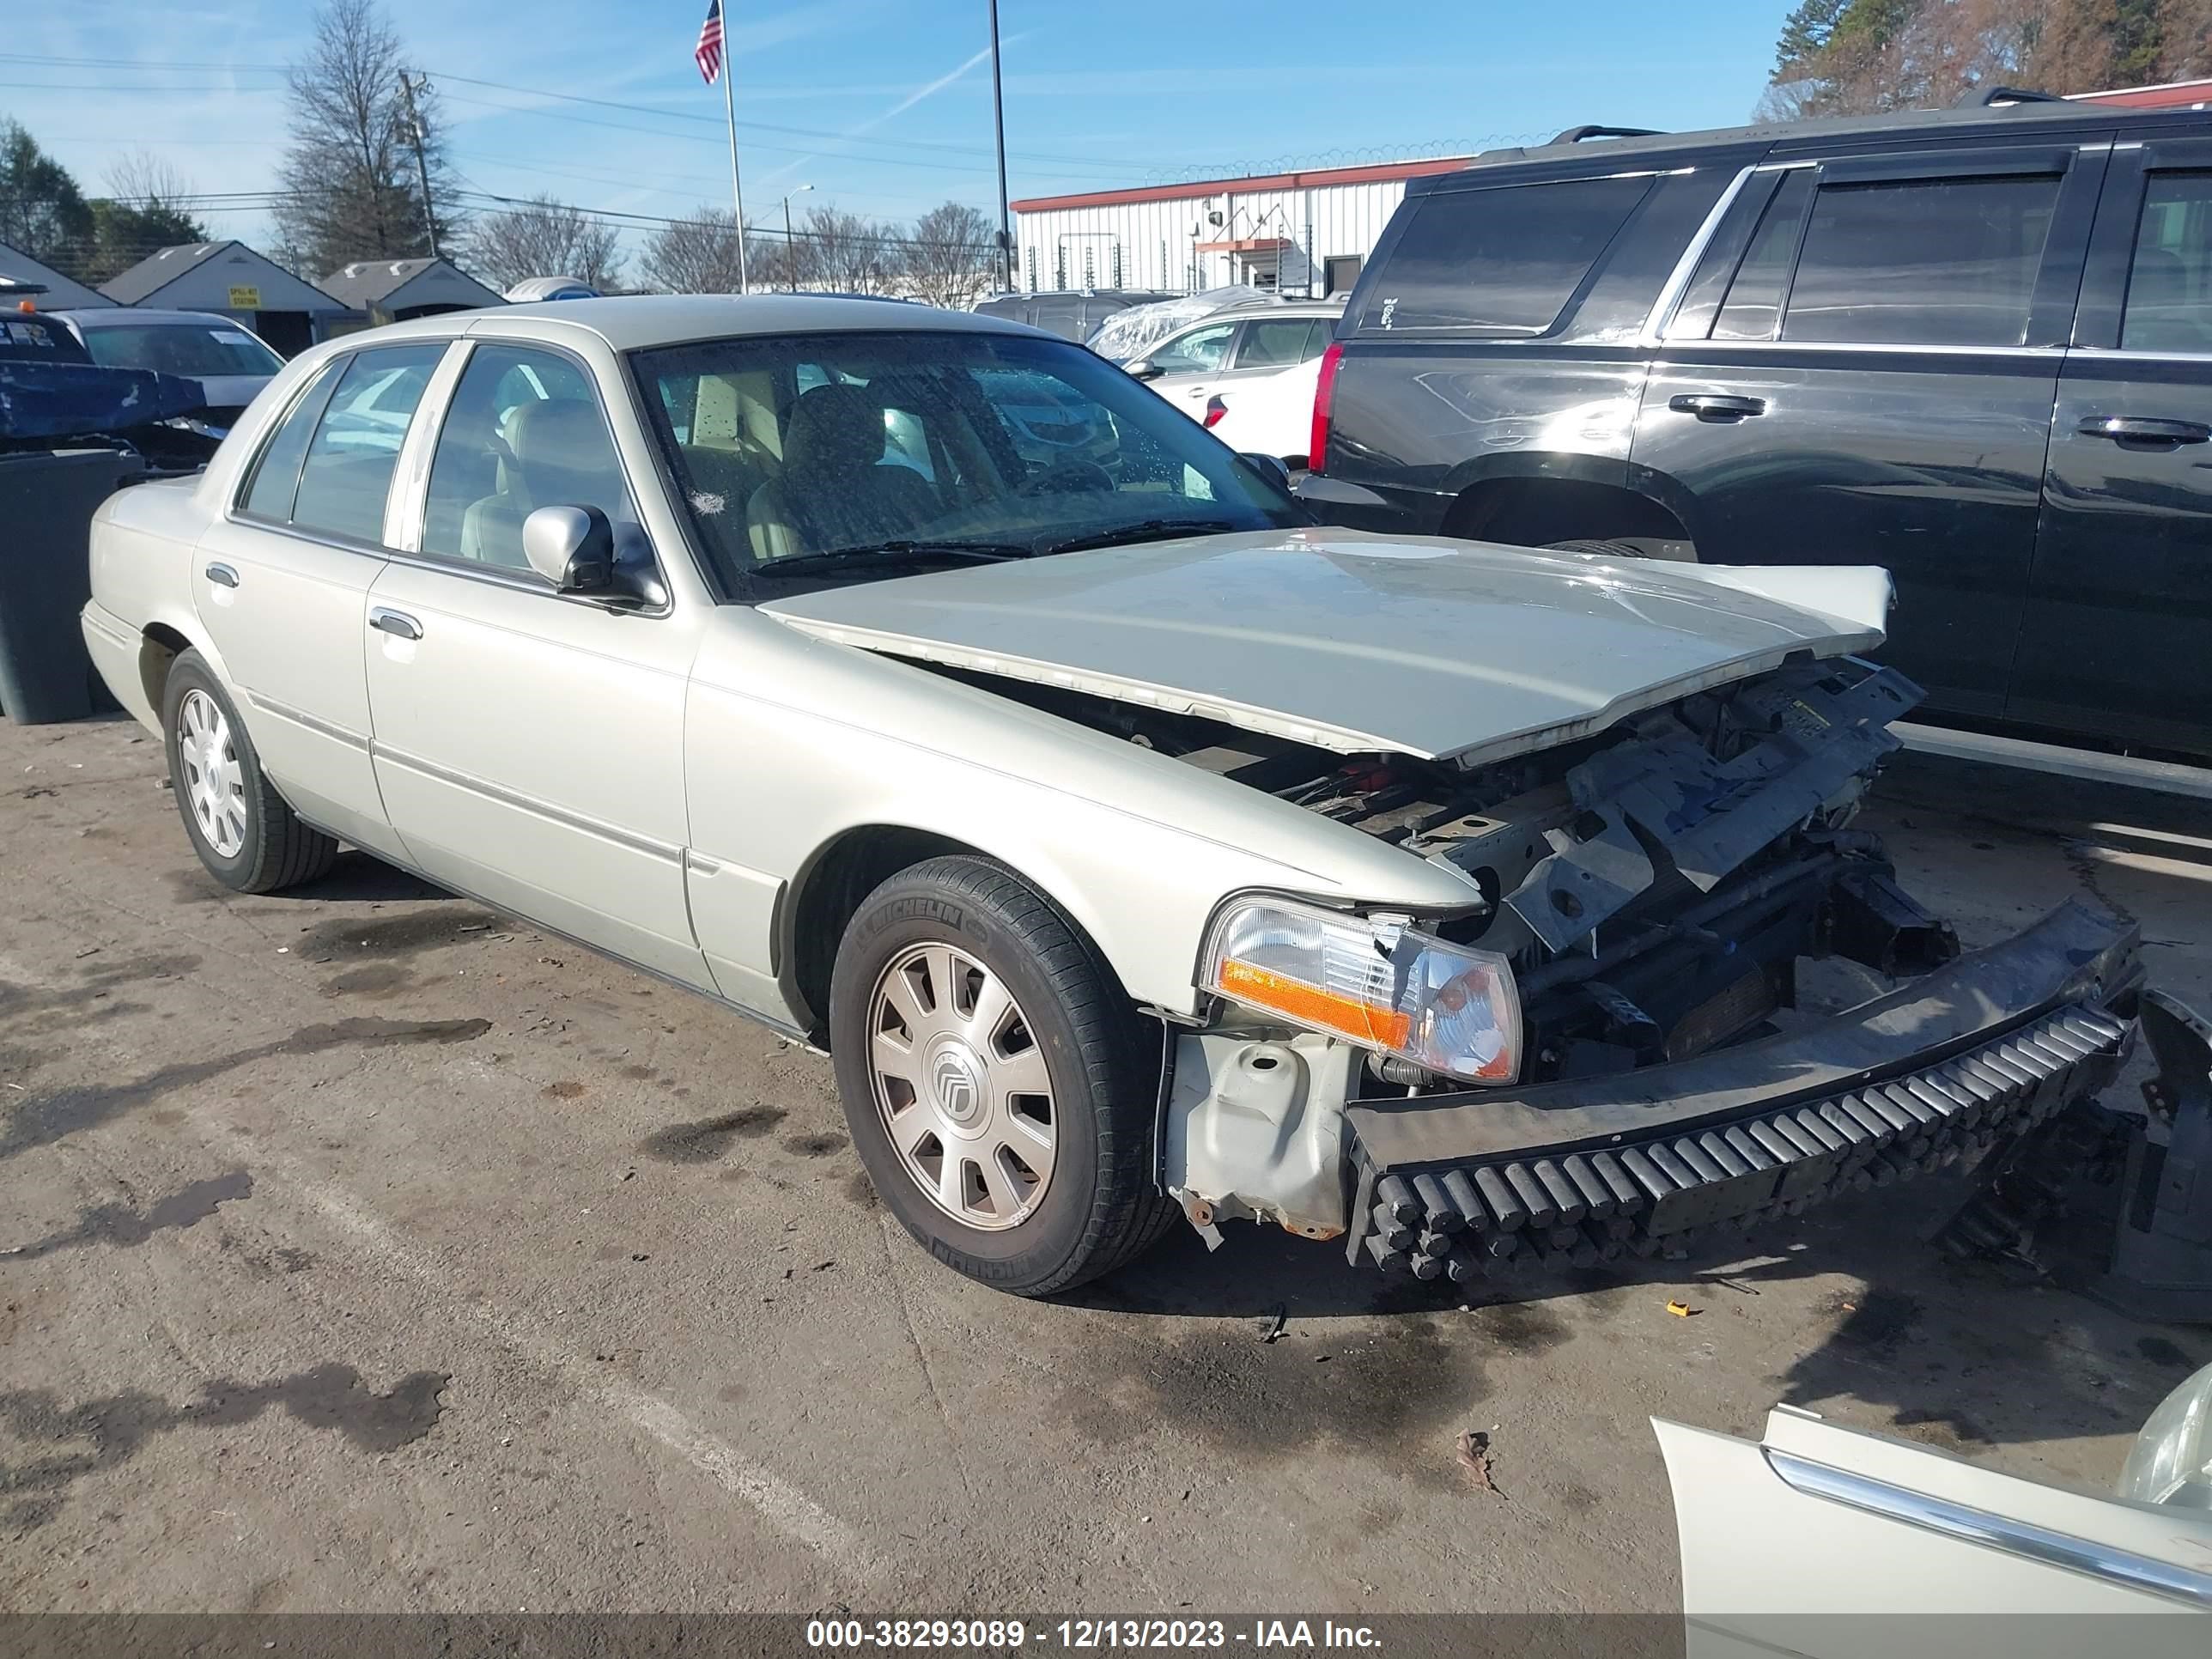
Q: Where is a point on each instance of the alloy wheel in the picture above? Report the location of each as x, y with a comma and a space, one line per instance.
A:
961, 1086
214, 781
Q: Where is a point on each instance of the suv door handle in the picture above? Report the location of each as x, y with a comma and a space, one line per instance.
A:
2143, 429
396, 623
1714, 406
222, 576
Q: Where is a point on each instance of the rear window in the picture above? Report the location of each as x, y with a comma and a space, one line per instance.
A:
1934, 262
1505, 259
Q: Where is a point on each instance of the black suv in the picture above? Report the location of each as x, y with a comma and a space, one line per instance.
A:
1974, 347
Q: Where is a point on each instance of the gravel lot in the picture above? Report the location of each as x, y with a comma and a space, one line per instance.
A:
369, 1250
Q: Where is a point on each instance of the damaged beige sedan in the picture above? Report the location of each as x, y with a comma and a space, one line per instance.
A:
923, 687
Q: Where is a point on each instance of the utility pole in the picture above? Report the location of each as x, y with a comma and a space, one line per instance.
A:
999, 116
408, 88
790, 247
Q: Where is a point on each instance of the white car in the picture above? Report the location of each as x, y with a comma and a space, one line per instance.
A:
1825, 1543
1235, 350
1272, 416
1137, 848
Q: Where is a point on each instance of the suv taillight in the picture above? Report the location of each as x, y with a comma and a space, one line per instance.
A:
1324, 399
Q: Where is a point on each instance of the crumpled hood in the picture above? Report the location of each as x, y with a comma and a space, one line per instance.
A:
1356, 642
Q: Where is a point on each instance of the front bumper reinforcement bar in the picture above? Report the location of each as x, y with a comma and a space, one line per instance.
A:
1946, 1068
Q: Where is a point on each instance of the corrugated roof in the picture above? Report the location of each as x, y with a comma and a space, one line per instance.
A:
368, 282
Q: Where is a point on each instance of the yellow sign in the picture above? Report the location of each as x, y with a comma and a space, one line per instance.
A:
245, 299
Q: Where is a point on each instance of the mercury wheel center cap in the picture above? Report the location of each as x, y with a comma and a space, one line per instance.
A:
956, 1083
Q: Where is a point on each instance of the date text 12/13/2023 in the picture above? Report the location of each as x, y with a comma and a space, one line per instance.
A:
1081, 1634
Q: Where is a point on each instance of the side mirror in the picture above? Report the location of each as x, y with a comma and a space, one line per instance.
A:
1273, 465
571, 546
1143, 370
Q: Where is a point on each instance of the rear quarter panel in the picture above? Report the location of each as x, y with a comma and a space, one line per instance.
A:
141, 543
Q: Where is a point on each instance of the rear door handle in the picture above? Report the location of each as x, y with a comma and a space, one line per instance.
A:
2143, 429
222, 576
1715, 406
397, 623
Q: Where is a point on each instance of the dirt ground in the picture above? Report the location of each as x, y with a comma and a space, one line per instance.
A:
368, 1250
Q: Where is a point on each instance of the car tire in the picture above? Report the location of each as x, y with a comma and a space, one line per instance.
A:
1604, 548
245, 832
1000, 1089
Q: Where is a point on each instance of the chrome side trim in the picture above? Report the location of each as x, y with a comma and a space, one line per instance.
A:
321, 728
1860, 348
2088, 356
1973, 1526
505, 797
114, 636
1670, 291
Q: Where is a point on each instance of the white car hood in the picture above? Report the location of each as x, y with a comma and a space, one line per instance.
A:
1354, 641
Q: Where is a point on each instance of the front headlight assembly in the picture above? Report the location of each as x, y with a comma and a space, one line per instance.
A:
1383, 984
2171, 1462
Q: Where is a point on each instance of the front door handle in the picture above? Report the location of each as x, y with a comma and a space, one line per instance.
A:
397, 623
2143, 429
1715, 406
222, 576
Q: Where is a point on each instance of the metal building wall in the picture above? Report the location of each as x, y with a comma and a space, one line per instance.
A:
1150, 244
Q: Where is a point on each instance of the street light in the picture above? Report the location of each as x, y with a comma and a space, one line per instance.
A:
791, 248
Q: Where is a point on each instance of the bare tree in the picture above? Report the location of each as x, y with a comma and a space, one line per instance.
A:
544, 238
949, 261
350, 189
140, 215
851, 254
698, 254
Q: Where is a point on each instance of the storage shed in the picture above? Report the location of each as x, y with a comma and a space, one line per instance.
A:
231, 278
394, 291
61, 294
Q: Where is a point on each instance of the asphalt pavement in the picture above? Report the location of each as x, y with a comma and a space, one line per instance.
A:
370, 1250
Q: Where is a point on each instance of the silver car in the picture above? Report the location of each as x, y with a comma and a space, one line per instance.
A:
1136, 848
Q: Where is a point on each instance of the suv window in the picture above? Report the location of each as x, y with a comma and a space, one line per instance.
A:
524, 431
1507, 259
1280, 342
348, 472
1754, 296
2170, 283
1932, 262
1198, 352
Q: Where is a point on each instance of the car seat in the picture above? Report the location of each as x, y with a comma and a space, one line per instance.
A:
836, 490
559, 455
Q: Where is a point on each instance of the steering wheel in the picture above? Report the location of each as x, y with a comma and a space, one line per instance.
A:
1071, 477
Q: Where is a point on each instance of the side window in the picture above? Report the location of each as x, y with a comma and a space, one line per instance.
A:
524, 431
1507, 259
1198, 352
275, 478
1933, 262
1753, 305
1276, 343
347, 470
2170, 281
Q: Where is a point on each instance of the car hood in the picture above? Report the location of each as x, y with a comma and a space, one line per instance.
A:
1353, 642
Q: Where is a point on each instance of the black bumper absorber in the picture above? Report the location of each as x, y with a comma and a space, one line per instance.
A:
1583, 1172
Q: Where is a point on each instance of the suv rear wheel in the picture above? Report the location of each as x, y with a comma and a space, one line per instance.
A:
1603, 548
995, 1080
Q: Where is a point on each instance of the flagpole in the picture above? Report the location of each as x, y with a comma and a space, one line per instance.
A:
729, 109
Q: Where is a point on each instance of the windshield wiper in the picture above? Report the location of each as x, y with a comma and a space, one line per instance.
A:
891, 553
1143, 530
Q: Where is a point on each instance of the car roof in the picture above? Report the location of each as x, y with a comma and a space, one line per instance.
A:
123, 316
2006, 121
633, 322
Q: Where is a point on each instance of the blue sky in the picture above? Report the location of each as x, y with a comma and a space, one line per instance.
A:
884, 107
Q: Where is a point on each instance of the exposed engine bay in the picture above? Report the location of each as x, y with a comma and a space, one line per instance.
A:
1654, 884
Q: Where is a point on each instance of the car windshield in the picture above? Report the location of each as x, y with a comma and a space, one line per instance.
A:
212, 347
846, 457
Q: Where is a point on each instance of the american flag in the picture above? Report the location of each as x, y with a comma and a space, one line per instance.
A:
708, 53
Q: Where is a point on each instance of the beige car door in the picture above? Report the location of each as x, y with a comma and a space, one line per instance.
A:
529, 745
1824, 1541
281, 582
